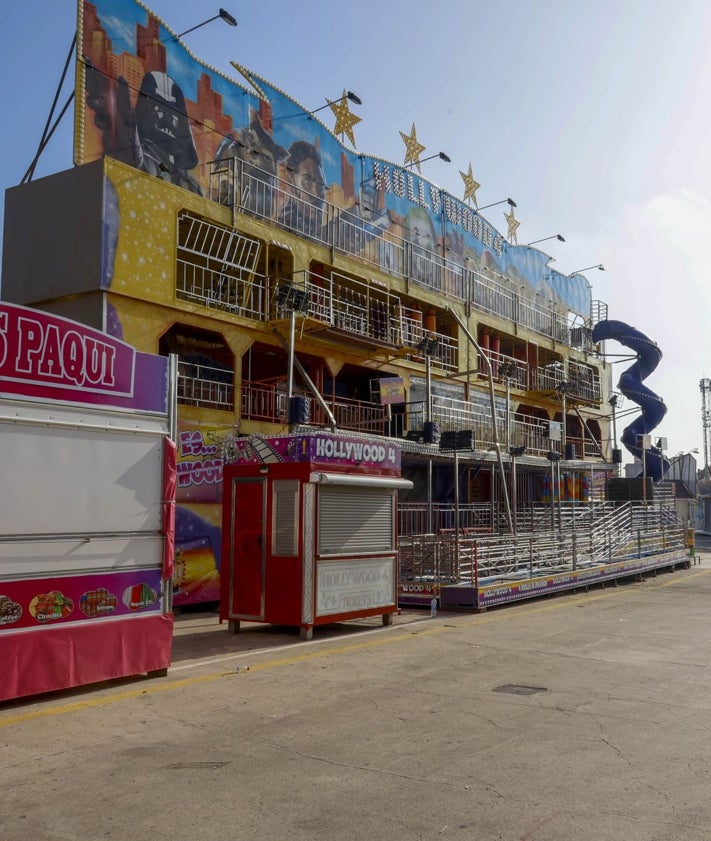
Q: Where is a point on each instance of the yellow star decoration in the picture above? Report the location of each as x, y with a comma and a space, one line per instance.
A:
470, 186
345, 118
513, 226
413, 148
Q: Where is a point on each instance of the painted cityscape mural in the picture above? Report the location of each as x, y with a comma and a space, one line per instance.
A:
144, 99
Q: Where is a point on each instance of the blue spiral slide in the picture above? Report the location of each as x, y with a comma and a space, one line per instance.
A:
630, 384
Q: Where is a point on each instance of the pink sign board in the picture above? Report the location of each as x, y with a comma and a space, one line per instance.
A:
47, 357
374, 455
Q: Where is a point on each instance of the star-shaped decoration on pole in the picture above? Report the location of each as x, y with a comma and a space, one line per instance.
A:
345, 118
470, 186
513, 226
413, 148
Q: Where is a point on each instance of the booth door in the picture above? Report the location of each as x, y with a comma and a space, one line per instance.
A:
248, 548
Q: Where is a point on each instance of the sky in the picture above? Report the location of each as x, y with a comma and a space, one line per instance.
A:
593, 115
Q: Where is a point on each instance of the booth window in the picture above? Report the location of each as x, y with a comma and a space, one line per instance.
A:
285, 504
355, 520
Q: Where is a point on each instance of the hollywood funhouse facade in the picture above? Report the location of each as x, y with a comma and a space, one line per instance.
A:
304, 285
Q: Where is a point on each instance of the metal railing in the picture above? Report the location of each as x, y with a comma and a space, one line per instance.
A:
417, 518
205, 386
267, 401
212, 387
248, 189
632, 532
451, 414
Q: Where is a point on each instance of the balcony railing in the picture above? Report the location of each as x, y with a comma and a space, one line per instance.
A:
583, 382
506, 367
267, 401
371, 313
205, 386
250, 190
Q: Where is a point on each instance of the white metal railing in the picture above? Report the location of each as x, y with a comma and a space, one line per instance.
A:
216, 267
250, 190
491, 297
373, 313
417, 518
452, 414
583, 382
205, 386
505, 368
631, 532
267, 401
218, 290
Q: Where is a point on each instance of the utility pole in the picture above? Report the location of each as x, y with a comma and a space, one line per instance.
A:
705, 388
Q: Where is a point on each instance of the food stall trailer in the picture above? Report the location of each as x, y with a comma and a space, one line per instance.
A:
310, 530
87, 514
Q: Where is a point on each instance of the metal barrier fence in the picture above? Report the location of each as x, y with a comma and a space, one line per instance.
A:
458, 558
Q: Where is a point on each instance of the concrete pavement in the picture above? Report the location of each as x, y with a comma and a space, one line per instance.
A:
585, 716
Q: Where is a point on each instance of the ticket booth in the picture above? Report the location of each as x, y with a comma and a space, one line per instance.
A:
310, 530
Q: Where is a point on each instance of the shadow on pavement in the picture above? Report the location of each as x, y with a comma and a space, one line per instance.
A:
199, 635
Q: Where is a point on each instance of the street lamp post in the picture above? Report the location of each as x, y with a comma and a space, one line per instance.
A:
349, 95
428, 346
441, 155
294, 300
645, 443
514, 452
455, 441
507, 372
222, 14
559, 237
599, 267
562, 389
554, 459
509, 202
616, 454
492, 401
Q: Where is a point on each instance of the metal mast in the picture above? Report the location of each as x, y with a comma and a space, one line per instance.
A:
705, 387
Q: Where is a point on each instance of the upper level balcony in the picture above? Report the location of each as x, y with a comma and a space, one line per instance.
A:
266, 401
581, 382
249, 190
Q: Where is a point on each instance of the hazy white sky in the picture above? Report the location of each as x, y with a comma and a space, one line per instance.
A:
591, 114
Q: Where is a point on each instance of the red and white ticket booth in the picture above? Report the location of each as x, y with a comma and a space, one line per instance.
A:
310, 530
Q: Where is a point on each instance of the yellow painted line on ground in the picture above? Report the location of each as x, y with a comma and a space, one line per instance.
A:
30, 715
509, 612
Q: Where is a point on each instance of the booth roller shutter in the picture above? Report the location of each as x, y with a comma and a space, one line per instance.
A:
355, 520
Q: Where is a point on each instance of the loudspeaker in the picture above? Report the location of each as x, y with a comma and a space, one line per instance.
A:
622, 490
430, 432
462, 439
299, 409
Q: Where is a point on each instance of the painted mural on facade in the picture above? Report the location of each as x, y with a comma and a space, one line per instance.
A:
144, 99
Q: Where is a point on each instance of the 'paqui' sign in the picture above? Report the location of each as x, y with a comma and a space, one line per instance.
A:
47, 357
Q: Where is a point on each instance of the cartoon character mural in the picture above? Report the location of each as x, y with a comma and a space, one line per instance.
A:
151, 103
155, 136
420, 233
257, 156
302, 209
165, 142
